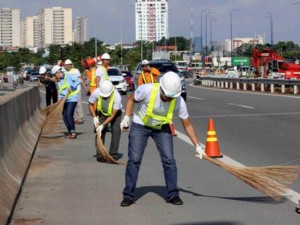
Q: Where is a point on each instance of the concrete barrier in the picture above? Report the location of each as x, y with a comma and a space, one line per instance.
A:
19, 133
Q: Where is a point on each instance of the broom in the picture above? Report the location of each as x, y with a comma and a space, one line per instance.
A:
104, 154
53, 117
47, 110
271, 180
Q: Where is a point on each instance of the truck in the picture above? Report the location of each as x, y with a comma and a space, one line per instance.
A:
269, 64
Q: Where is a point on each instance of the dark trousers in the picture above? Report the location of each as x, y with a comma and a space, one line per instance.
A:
51, 94
115, 132
68, 116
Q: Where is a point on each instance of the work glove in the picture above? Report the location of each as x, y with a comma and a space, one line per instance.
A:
199, 151
125, 123
96, 121
99, 129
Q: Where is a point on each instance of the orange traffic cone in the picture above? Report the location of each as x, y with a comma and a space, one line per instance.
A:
212, 147
88, 63
172, 129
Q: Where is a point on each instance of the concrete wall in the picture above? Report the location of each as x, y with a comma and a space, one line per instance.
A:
19, 132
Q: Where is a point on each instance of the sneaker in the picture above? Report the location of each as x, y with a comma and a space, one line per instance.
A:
79, 121
176, 200
126, 202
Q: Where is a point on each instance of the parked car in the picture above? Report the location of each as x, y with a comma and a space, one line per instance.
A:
163, 66
128, 77
117, 79
34, 76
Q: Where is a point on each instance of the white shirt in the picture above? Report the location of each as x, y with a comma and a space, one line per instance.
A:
101, 72
142, 95
117, 100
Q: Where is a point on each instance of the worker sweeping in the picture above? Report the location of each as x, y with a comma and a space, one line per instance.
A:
156, 104
67, 84
109, 111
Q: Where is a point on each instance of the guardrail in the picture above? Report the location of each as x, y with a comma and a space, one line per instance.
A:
253, 84
19, 132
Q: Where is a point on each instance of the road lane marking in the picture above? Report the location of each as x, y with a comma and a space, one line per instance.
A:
243, 106
291, 195
195, 97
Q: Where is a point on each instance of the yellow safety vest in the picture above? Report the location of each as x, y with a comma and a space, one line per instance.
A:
144, 78
105, 73
64, 85
110, 105
149, 113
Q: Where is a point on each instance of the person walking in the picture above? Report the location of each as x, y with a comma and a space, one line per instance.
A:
157, 102
70, 70
67, 84
49, 81
101, 71
109, 111
148, 74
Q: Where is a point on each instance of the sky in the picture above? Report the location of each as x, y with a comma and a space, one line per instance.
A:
109, 20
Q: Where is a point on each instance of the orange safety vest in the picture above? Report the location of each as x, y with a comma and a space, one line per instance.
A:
91, 74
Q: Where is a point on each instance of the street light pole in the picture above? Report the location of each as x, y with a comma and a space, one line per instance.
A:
271, 28
231, 41
210, 29
202, 11
206, 31
121, 39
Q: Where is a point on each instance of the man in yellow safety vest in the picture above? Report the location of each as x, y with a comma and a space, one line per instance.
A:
157, 103
109, 111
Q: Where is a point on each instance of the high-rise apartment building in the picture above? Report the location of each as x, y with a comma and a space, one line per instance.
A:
81, 29
55, 26
30, 32
9, 27
151, 20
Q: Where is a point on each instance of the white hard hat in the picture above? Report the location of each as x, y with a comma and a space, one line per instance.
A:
106, 88
171, 84
42, 70
68, 62
145, 62
105, 56
55, 69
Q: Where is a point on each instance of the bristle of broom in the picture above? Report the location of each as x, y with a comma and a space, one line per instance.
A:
271, 180
104, 154
47, 110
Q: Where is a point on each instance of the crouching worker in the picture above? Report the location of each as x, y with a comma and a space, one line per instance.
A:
157, 103
67, 85
109, 111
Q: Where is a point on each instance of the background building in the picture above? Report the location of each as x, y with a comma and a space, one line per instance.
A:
81, 29
237, 42
151, 20
55, 26
29, 32
10, 27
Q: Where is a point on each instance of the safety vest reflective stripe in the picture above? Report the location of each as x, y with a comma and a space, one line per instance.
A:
64, 85
144, 78
110, 105
93, 77
104, 72
149, 113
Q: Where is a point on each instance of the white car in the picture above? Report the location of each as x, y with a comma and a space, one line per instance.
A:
117, 79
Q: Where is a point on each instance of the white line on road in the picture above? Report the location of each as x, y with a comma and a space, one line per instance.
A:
243, 106
195, 97
290, 194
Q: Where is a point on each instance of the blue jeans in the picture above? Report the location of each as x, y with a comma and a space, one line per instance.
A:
68, 116
138, 137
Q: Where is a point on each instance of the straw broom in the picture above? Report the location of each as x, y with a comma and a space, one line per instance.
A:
53, 117
47, 110
103, 152
271, 180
